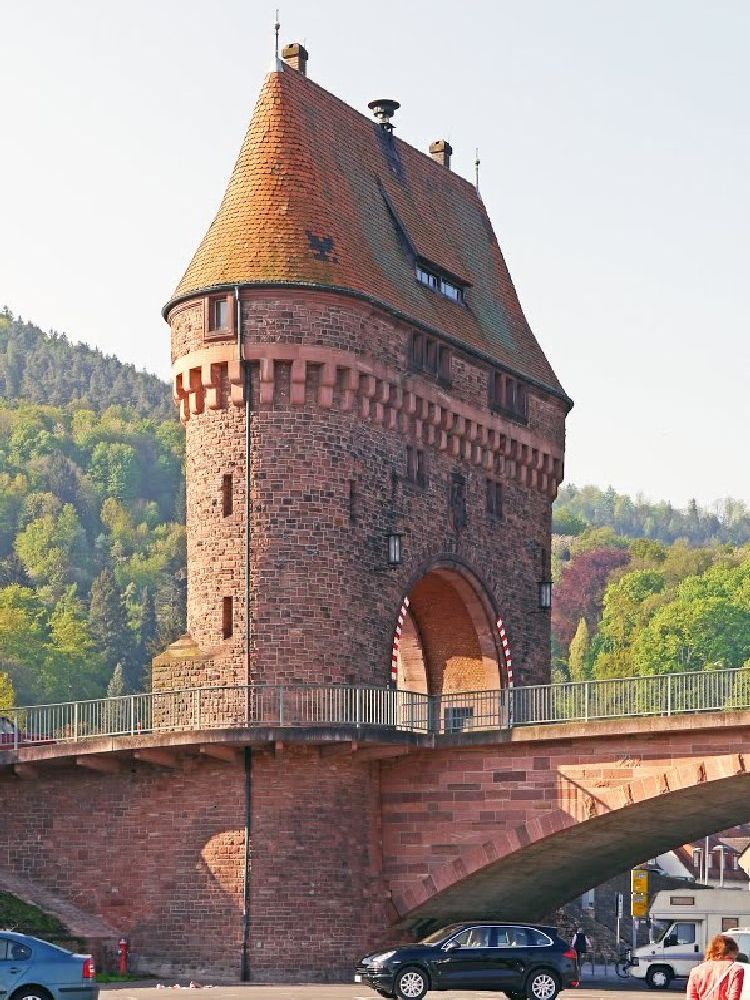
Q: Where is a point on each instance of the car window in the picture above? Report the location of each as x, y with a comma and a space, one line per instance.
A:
538, 938
473, 937
3, 949
512, 937
18, 952
685, 933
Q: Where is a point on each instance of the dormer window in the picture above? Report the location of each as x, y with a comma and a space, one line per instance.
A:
450, 289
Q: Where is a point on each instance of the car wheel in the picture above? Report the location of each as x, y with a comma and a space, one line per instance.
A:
31, 993
411, 984
542, 985
658, 977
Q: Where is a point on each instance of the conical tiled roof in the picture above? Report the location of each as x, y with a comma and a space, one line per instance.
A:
321, 195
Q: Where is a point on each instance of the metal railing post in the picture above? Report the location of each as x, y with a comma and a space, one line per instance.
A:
75, 720
669, 694
132, 715
586, 700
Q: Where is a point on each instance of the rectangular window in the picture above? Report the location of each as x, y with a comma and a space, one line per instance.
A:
415, 467
444, 364
727, 923
218, 314
431, 356
494, 499
457, 718
227, 617
227, 494
416, 350
426, 278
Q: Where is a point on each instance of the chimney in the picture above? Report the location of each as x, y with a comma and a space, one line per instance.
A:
384, 109
295, 56
441, 151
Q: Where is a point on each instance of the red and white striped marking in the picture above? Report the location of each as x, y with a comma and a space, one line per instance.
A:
397, 639
506, 652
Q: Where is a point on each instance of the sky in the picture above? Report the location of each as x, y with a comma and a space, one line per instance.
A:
615, 156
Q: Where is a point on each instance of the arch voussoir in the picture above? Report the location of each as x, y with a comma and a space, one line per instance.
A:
641, 800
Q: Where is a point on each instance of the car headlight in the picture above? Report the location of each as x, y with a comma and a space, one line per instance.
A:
382, 959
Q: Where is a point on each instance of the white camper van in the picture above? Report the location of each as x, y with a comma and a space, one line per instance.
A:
683, 921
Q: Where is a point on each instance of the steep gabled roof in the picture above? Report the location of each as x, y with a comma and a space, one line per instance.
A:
322, 195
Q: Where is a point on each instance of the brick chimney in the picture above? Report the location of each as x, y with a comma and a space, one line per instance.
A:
441, 151
295, 56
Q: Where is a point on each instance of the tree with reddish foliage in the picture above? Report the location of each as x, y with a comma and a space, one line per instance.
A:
580, 590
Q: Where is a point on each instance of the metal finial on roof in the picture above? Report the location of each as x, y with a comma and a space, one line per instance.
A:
477, 161
276, 28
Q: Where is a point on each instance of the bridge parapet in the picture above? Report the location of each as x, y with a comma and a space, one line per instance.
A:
241, 707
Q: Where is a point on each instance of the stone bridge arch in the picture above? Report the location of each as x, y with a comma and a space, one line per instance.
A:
585, 833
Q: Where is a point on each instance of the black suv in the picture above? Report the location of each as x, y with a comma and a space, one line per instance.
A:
523, 961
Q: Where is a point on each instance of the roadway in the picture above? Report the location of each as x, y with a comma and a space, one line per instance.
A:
604, 990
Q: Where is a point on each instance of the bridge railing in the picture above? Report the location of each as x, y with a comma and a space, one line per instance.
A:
330, 706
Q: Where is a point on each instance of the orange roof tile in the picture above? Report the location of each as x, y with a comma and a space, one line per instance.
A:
322, 195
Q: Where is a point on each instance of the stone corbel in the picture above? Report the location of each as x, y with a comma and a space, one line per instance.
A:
267, 376
327, 385
297, 387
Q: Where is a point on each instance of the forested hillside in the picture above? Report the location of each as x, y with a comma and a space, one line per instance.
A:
40, 367
92, 543
665, 601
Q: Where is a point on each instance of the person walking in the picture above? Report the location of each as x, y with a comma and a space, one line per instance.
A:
580, 944
719, 976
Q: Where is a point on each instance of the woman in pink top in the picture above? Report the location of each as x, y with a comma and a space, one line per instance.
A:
718, 977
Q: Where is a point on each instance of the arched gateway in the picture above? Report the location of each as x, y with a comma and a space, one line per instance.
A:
446, 641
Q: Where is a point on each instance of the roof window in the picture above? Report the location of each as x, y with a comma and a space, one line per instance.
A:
450, 289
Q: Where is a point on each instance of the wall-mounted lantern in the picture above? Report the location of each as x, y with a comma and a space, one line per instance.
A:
395, 548
545, 595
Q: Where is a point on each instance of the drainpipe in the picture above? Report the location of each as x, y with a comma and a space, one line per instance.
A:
248, 754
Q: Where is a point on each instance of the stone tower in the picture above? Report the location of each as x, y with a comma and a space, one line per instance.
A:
347, 339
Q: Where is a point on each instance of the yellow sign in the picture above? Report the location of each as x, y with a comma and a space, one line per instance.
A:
639, 905
639, 881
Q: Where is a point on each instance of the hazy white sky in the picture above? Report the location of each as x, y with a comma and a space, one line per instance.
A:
615, 156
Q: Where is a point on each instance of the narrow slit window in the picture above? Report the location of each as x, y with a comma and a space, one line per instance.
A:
227, 494
495, 499
352, 501
227, 617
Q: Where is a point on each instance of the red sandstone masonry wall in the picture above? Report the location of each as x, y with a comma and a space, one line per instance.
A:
440, 806
157, 853
318, 899
324, 602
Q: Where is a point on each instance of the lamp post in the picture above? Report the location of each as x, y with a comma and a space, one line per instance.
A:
545, 595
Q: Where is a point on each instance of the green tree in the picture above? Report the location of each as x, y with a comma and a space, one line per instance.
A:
52, 550
114, 470
108, 620
579, 660
72, 669
23, 640
693, 634
7, 695
116, 685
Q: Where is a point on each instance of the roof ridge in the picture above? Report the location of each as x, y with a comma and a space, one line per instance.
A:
371, 121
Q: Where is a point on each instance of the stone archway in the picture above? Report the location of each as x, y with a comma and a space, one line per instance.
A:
447, 642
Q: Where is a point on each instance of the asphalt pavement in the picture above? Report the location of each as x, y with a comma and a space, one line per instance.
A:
592, 990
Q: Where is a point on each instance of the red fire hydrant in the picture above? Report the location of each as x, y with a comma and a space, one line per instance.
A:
122, 956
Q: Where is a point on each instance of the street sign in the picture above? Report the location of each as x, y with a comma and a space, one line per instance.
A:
639, 881
638, 904
620, 906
